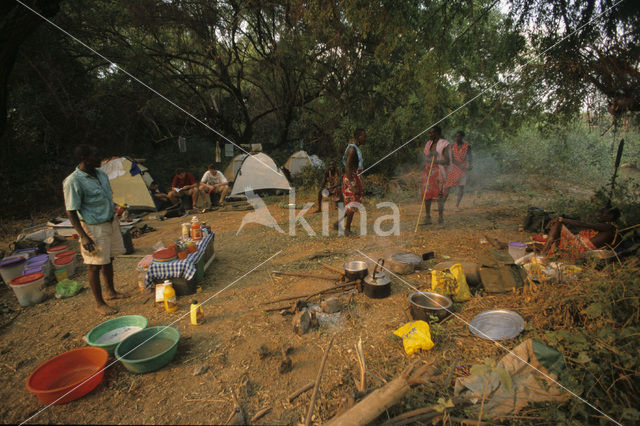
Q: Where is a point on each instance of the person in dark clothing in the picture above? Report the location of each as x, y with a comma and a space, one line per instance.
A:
330, 186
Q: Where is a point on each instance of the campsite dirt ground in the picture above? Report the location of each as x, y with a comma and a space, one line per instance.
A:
236, 324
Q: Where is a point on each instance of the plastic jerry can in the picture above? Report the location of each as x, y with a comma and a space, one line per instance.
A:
169, 295
197, 313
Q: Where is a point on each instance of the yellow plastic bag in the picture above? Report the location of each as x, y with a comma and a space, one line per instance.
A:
451, 282
462, 294
443, 282
415, 336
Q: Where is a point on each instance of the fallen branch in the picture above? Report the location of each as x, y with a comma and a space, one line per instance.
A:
380, 400
237, 417
314, 395
308, 296
421, 414
331, 268
301, 275
299, 392
259, 414
361, 363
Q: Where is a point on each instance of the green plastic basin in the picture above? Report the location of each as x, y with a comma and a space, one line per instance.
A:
160, 343
94, 336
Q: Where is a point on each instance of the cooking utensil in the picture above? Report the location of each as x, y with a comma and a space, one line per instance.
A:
423, 305
403, 263
356, 269
377, 285
498, 324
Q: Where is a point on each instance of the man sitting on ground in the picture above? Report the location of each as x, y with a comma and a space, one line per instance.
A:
213, 181
160, 199
595, 235
183, 185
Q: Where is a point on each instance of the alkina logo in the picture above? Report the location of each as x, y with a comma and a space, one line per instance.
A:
262, 216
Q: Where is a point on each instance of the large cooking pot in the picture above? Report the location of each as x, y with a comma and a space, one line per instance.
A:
403, 263
356, 269
377, 285
423, 305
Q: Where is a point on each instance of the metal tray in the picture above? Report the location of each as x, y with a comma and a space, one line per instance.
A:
499, 324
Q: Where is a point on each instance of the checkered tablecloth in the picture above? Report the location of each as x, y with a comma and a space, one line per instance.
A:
178, 268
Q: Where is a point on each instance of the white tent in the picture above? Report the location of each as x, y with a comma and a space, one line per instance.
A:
300, 160
316, 161
258, 171
233, 167
130, 189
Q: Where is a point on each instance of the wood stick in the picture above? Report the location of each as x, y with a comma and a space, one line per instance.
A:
331, 268
314, 395
259, 414
424, 195
303, 296
362, 364
301, 275
378, 401
299, 392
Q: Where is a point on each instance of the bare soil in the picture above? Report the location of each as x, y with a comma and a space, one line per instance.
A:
236, 324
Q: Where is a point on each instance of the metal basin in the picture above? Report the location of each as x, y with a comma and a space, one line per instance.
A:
356, 269
424, 304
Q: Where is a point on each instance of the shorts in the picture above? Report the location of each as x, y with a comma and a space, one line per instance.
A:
108, 242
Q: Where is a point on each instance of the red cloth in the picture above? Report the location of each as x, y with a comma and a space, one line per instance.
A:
179, 183
435, 188
352, 190
571, 245
455, 172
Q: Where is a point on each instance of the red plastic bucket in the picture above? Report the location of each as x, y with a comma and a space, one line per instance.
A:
28, 288
52, 251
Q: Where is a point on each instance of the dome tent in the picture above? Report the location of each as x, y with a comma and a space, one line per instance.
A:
258, 171
299, 160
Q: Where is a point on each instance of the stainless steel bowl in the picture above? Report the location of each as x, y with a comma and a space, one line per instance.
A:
356, 269
424, 304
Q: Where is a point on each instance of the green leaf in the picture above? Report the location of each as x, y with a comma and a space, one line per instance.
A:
594, 310
583, 358
443, 405
479, 370
505, 377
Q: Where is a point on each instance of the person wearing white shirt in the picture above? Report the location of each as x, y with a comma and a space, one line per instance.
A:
214, 181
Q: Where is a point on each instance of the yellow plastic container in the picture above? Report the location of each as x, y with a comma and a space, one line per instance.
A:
169, 295
197, 313
61, 274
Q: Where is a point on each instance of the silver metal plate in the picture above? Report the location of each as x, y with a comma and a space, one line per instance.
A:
499, 324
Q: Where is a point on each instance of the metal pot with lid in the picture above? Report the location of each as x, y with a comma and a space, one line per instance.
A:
378, 284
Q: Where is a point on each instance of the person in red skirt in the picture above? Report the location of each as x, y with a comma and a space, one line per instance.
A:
352, 187
462, 163
434, 178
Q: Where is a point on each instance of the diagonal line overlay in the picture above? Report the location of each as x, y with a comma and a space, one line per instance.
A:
167, 326
500, 345
163, 97
491, 87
